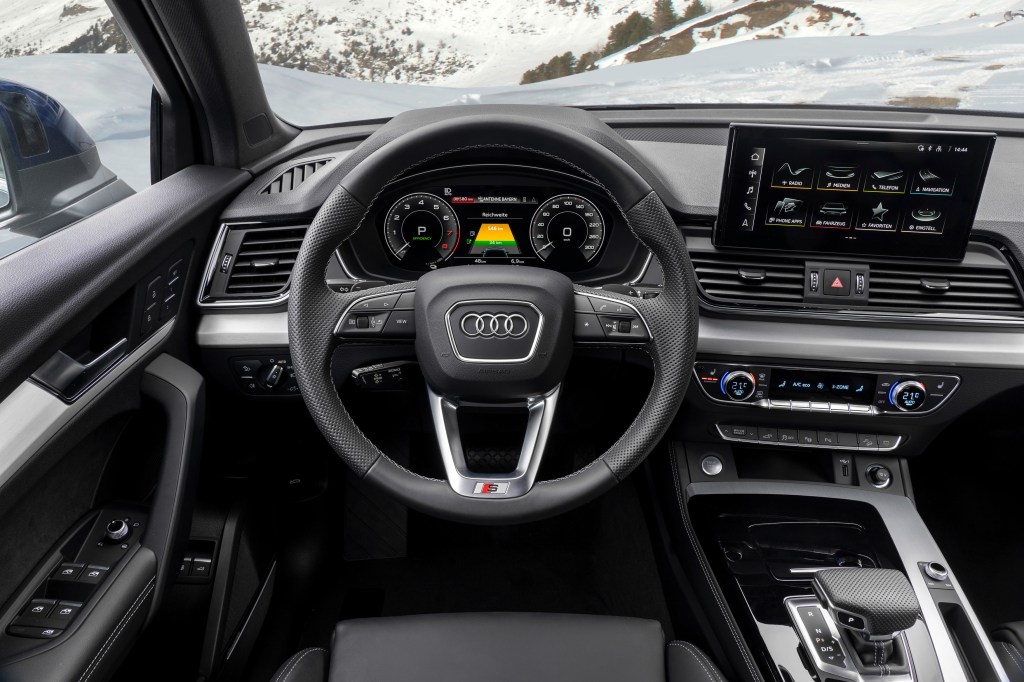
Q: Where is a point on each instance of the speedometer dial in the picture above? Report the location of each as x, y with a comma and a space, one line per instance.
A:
567, 231
421, 229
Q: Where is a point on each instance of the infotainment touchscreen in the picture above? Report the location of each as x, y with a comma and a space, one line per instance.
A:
852, 190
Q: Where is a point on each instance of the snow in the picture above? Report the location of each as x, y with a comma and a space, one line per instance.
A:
916, 51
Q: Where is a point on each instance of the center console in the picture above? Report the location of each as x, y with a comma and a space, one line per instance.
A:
832, 583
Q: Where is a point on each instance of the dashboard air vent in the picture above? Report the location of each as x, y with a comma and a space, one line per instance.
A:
940, 288
263, 264
749, 279
252, 264
293, 177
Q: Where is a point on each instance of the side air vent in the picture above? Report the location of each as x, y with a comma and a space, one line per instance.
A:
293, 177
253, 264
749, 279
943, 288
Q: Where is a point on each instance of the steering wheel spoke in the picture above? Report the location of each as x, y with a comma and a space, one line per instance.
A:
514, 481
384, 314
605, 317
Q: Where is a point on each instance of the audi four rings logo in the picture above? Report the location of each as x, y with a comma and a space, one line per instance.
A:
494, 325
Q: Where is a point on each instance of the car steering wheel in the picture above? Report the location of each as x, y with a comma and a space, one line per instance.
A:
494, 335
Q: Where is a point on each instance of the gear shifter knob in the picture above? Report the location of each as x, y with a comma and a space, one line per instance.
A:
878, 603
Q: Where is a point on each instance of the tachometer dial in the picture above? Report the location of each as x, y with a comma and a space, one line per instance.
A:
421, 229
567, 231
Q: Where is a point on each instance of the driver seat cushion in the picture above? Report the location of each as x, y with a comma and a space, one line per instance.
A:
501, 647
1008, 642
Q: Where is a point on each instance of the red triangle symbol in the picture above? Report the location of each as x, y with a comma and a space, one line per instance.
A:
837, 284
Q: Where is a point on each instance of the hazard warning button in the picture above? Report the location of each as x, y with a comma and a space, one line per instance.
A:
836, 283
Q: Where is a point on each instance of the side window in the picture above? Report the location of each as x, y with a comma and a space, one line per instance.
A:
74, 117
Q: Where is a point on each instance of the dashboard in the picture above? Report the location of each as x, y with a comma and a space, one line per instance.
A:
495, 214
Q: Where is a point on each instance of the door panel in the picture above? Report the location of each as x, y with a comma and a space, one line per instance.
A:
71, 460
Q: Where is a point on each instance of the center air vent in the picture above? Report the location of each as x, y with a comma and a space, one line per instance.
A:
253, 263
725, 277
983, 284
944, 287
293, 177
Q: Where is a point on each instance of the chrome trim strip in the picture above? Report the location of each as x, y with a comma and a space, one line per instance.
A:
850, 672
242, 330
817, 446
541, 412
211, 266
740, 339
496, 361
858, 343
30, 416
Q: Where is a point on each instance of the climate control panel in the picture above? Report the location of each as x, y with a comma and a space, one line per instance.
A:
831, 390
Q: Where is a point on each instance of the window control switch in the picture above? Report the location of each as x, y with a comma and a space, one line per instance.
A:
36, 613
63, 613
67, 572
93, 574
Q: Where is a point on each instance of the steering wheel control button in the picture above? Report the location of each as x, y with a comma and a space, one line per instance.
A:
623, 328
406, 301
711, 465
739, 385
879, 476
588, 328
389, 302
363, 324
401, 324
582, 304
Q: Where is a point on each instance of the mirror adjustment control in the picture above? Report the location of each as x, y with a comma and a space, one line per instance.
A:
117, 530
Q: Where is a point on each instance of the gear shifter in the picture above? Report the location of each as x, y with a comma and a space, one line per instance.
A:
873, 607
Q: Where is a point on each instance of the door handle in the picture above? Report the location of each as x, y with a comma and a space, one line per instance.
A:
68, 378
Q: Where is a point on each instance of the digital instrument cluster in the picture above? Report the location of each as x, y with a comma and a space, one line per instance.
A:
518, 225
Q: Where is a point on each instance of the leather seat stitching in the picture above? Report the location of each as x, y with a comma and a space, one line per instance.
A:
295, 660
1014, 655
704, 568
95, 664
700, 657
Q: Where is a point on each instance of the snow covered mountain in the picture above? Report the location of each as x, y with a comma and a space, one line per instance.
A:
475, 43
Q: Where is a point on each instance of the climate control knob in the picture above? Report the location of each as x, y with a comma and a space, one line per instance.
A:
739, 385
908, 396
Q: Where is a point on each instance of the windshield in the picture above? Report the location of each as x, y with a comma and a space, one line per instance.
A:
326, 61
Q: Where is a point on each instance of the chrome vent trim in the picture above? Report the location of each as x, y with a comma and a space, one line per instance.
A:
984, 288
261, 258
726, 277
